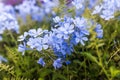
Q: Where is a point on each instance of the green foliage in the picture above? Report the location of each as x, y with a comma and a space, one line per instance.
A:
13, 78
7, 69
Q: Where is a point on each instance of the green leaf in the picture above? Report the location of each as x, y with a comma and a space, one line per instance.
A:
45, 72
114, 72
90, 57
59, 77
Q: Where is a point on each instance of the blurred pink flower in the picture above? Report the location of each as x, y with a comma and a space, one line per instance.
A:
12, 2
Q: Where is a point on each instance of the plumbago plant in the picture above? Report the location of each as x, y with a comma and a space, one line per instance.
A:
60, 40
68, 32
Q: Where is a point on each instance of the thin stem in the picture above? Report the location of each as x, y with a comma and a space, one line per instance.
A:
113, 55
101, 65
47, 54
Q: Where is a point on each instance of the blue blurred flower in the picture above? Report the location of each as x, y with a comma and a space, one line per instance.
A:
41, 62
99, 31
67, 62
57, 63
107, 14
107, 9
48, 5
92, 3
8, 22
7, 8
97, 9
37, 12
27, 7
78, 3
2, 59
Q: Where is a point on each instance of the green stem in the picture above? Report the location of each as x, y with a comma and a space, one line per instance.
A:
12, 37
101, 65
47, 54
113, 55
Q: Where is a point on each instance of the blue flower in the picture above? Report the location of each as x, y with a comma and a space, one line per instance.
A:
41, 62
81, 23
57, 63
92, 3
98, 9
67, 62
80, 38
107, 14
78, 3
48, 5
27, 7
65, 49
2, 59
54, 42
45, 42
117, 3
38, 15
7, 8
57, 19
65, 30
22, 48
8, 22
35, 33
107, 9
37, 43
23, 37
99, 31
81, 32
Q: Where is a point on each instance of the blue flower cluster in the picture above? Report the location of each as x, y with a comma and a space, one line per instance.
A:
7, 8
9, 13
78, 3
81, 5
67, 33
32, 8
107, 9
27, 7
37, 13
7, 19
47, 5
